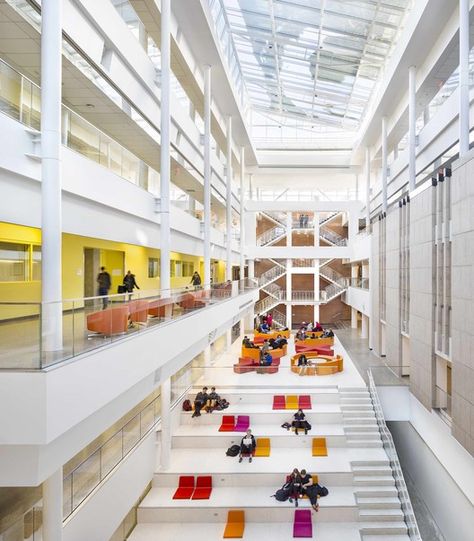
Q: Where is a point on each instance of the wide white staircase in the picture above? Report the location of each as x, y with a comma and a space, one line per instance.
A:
364, 501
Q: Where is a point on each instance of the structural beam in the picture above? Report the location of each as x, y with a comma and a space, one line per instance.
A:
51, 222
165, 163
207, 177
384, 164
411, 127
53, 502
463, 77
228, 207
242, 213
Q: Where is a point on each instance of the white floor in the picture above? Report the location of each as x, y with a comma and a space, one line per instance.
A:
199, 448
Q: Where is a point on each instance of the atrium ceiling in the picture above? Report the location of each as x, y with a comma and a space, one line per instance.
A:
313, 61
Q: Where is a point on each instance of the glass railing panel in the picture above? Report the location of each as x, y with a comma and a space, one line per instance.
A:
84, 138
10, 96
111, 454
84, 478
131, 434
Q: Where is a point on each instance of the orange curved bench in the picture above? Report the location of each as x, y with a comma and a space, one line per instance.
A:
251, 353
259, 337
159, 307
110, 321
138, 311
331, 366
189, 301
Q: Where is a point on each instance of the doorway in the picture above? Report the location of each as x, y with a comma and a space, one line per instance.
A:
112, 260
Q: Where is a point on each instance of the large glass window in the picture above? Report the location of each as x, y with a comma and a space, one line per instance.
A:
153, 267
14, 262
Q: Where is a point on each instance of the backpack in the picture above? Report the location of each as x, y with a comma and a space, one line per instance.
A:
282, 494
187, 405
233, 450
286, 425
322, 491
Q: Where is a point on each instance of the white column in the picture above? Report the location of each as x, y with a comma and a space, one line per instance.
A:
411, 127
53, 499
316, 288
165, 163
207, 176
242, 213
51, 223
251, 264
353, 318
289, 229
289, 291
367, 187
357, 187
228, 207
228, 339
384, 164
463, 77
365, 327
165, 455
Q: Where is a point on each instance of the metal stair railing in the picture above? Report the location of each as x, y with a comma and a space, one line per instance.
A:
390, 449
324, 262
332, 237
303, 263
334, 290
275, 216
279, 318
270, 275
327, 219
330, 274
270, 235
274, 290
266, 304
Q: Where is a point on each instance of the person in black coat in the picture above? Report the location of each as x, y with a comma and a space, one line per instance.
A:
130, 283
299, 421
294, 485
247, 445
200, 401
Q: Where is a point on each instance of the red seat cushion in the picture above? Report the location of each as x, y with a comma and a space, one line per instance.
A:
228, 423
202, 493
183, 493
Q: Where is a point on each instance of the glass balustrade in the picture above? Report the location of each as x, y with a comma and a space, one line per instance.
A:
85, 324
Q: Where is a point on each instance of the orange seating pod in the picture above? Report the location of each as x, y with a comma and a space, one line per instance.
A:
188, 301
332, 365
110, 321
276, 353
138, 311
251, 353
235, 526
159, 307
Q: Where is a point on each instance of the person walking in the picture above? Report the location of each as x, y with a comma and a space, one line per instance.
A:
196, 280
104, 281
130, 283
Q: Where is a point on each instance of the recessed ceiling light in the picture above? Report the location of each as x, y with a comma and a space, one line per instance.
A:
90, 105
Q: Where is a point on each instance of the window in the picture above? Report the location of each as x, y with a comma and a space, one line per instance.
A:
14, 262
188, 268
181, 269
153, 267
36, 263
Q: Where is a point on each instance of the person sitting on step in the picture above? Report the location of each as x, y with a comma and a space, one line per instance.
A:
247, 445
200, 401
300, 422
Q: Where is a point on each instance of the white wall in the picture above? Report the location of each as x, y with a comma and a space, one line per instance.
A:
64, 408
395, 402
359, 299
103, 511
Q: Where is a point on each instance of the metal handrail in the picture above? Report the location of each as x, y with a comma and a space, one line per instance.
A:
332, 237
390, 449
271, 274
270, 235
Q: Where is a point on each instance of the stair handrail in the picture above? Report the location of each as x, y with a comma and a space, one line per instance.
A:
331, 236
269, 275
270, 234
332, 274
390, 449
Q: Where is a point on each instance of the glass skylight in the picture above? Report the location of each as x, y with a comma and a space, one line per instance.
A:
313, 60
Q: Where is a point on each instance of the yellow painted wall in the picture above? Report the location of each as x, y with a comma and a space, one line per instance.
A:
115, 256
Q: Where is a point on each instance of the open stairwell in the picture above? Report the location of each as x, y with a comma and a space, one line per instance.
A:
364, 501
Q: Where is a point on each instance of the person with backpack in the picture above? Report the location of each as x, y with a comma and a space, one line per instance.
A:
300, 422
200, 401
130, 283
247, 445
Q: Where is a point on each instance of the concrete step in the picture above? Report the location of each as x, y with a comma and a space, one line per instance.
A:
374, 480
383, 529
358, 421
376, 492
384, 502
356, 407
385, 515
375, 435
354, 394
364, 443
349, 401
372, 470
368, 414
361, 428
396, 537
